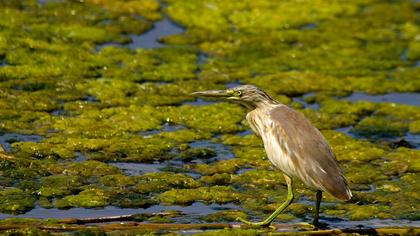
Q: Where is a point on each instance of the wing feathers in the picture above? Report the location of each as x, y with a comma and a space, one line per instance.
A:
310, 153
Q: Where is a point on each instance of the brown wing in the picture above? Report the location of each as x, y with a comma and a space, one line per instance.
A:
310, 152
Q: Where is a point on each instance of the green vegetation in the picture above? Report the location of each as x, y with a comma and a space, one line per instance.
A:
68, 75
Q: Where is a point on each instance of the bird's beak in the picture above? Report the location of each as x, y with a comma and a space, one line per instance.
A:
212, 93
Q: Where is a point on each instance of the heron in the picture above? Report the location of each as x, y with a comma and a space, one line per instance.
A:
293, 145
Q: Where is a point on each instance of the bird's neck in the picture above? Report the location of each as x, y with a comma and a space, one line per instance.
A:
260, 104
267, 103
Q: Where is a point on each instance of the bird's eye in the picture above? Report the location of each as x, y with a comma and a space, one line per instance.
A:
238, 93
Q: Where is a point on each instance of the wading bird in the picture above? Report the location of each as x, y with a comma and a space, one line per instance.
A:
293, 145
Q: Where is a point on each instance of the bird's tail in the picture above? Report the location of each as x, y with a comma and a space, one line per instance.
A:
344, 193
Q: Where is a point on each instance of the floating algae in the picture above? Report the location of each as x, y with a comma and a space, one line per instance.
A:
96, 119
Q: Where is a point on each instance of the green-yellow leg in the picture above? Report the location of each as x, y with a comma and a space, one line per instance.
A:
279, 210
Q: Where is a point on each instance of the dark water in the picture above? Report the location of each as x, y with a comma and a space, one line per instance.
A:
150, 39
80, 157
402, 98
373, 223
59, 112
173, 166
244, 170
200, 102
202, 59
347, 130
223, 152
412, 99
412, 139
6, 139
165, 128
193, 213
245, 133
309, 26
302, 100
404, 55
134, 169
233, 84
196, 209
47, 1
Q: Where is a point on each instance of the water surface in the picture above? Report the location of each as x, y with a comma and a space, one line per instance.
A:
6, 139
150, 39
401, 98
133, 169
195, 209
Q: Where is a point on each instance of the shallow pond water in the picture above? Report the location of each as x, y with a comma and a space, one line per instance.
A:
151, 38
413, 139
194, 210
200, 102
165, 128
6, 139
408, 139
302, 100
133, 169
115, 126
222, 151
246, 132
401, 98
232, 84
374, 223
202, 59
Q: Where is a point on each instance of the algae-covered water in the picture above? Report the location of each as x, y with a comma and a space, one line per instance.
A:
96, 117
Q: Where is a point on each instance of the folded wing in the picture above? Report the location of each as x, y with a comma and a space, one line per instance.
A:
312, 156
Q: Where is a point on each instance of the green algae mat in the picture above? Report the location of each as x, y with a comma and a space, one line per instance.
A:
97, 121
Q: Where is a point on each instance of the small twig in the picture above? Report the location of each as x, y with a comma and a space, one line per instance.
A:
4, 155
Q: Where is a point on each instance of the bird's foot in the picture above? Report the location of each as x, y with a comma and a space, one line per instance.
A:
315, 222
256, 224
319, 225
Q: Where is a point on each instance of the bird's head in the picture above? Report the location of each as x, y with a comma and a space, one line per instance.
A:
248, 95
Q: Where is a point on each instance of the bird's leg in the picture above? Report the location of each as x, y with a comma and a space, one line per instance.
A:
318, 204
279, 210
